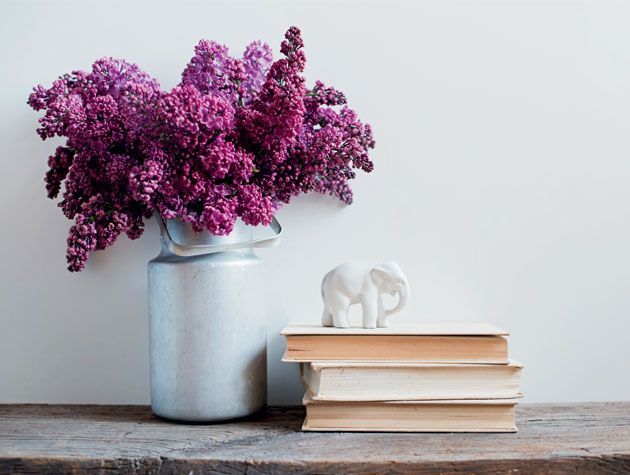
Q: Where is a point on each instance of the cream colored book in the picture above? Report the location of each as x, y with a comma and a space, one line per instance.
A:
386, 381
497, 415
419, 342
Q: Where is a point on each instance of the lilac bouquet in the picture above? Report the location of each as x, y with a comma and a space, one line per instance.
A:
236, 138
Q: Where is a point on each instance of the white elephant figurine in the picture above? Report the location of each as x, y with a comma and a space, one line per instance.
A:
364, 283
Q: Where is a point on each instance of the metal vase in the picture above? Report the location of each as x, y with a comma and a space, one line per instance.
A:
207, 323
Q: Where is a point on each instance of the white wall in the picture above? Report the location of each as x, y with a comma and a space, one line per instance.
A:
501, 184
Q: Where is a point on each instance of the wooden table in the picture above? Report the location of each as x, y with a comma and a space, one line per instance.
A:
556, 438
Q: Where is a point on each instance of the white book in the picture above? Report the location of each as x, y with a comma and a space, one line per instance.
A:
400, 328
387, 381
497, 415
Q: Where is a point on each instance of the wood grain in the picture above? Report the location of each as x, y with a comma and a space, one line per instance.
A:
553, 438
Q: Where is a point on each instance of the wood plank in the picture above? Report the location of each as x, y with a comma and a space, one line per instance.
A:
558, 438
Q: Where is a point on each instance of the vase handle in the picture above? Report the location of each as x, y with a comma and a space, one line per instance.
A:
199, 249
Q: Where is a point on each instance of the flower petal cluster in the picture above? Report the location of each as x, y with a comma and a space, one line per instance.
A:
257, 60
213, 71
102, 114
237, 138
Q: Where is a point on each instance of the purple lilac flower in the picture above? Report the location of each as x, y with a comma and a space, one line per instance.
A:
253, 207
81, 242
103, 114
58, 166
191, 120
213, 71
202, 167
144, 181
272, 122
257, 60
236, 139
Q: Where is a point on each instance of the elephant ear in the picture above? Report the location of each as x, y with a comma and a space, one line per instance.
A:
380, 275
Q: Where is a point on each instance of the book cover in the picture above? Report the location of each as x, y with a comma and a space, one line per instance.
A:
411, 416
419, 342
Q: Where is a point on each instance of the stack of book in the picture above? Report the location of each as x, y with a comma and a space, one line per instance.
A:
410, 377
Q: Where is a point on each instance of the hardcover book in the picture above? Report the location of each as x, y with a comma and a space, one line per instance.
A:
420, 342
496, 415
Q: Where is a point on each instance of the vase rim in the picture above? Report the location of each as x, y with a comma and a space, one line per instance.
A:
183, 233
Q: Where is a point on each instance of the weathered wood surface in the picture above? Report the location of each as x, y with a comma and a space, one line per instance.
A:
552, 438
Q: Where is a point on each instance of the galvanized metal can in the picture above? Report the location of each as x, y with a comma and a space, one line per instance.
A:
207, 323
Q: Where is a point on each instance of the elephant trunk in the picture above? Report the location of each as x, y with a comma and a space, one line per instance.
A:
403, 294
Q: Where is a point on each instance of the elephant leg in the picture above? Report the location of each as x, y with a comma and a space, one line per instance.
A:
337, 305
381, 319
340, 318
370, 311
382, 322
327, 318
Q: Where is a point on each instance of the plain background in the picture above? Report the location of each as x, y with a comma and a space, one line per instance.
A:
501, 184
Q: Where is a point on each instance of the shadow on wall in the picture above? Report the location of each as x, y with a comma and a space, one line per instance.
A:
281, 377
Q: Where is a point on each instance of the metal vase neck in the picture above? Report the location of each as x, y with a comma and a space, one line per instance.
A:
183, 233
180, 239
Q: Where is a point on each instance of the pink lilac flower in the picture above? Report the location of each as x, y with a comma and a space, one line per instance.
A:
235, 139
